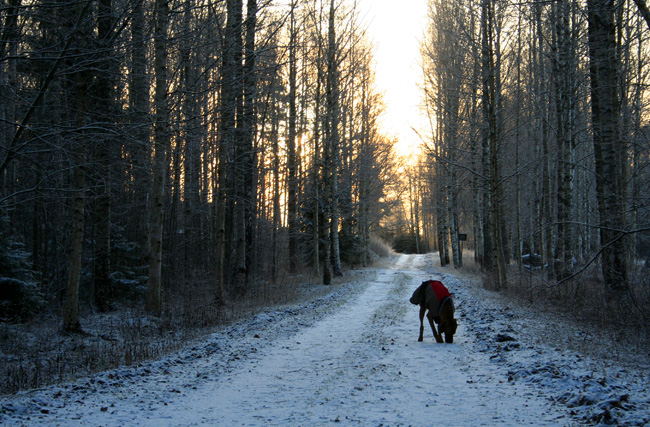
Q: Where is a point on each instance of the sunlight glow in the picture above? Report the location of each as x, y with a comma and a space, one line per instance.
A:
396, 30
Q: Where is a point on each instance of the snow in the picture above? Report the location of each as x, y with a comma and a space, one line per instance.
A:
352, 357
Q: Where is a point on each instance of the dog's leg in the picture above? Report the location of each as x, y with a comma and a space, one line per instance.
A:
447, 324
433, 328
422, 310
442, 326
441, 329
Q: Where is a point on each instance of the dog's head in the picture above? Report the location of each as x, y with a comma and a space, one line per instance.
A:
449, 329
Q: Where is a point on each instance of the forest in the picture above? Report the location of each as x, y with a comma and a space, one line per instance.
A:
538, 147
180, 156
152, 147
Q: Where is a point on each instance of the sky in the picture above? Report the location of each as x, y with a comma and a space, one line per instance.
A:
396, 28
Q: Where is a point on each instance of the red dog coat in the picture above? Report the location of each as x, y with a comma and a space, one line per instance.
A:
432, 293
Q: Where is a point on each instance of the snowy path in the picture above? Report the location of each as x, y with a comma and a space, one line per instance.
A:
351, 358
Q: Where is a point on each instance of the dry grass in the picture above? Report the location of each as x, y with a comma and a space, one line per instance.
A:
39, 353
380, 247
617, 320
586, 295
582, 313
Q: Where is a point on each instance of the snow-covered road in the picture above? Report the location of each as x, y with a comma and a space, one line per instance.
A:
351, 358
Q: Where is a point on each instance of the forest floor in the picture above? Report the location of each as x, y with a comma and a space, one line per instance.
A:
351, 356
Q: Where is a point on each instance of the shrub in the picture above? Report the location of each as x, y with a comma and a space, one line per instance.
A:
405, 243
20, 295
379, 246
351, 247
19, 300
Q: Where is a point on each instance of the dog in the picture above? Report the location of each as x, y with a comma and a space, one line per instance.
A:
433, 296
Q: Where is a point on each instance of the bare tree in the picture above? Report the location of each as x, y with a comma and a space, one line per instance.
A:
161, 148
609, 149
82, 80
189, 165
292, 183
332, 141
564, 76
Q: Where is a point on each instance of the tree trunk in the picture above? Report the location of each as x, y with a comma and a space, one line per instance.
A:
71, 308
241, 149
161, 146
229, 103
518, 143
316, 165
292, 190
563, 72
487, 263
334, 157
327, 211
475, 134
491, 143
442, 225
104, 103
415, 206
249, 130
608, 146
138, 147
193, 135
83, 79
277, 215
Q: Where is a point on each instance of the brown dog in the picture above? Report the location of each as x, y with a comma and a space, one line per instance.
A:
433, 296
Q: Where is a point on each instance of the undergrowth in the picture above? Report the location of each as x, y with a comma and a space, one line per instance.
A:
618, 318
38, 353
614, 324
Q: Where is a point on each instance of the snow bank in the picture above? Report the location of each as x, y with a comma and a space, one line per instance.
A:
593, 391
